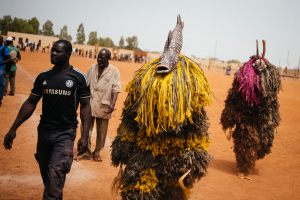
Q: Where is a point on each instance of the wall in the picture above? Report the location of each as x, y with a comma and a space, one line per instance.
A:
31, 38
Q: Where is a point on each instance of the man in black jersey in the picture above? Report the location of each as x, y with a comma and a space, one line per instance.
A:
62, 87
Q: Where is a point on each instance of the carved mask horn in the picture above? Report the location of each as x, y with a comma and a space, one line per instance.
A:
170, 57
259, 64
264, 49
257, 54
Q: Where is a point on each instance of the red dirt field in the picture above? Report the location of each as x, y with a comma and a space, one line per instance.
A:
274, 177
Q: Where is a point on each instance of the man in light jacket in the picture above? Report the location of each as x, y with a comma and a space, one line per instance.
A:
105, 84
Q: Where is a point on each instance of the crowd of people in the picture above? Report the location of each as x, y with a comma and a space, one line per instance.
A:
130, 58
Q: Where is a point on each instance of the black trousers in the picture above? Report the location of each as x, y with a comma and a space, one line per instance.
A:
55, 157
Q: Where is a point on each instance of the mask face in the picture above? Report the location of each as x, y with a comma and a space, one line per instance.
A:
259, 66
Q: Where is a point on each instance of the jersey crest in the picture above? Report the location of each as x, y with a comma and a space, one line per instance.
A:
69, 83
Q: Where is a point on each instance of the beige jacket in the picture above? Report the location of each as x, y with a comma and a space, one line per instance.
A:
101, 90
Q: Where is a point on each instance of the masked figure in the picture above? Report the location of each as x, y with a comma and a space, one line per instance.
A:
252, 107
163, 138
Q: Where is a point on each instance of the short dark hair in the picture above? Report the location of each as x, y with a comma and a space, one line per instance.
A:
8, 42
68, 45
107, 53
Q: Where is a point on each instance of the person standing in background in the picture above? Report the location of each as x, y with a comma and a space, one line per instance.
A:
11, 74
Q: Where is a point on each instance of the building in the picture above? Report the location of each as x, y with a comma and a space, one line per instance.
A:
31, 38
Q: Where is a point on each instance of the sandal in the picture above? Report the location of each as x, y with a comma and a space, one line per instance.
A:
82, 157
97, 158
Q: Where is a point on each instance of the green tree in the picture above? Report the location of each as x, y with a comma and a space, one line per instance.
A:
232, 61
5, 24
121, 42
93, 38
34, 22
27, 29
132, 42
64, 34
20, 25
101, 42
135, 42
80, 34
106, 42
48, 28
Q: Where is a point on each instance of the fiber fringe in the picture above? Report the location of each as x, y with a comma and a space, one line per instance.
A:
254, 122
163, 132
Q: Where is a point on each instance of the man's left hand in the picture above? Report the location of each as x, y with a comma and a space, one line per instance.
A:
110, 109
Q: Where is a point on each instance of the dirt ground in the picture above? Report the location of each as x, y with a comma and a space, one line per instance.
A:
274, 177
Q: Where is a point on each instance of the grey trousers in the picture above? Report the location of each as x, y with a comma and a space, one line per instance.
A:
10, 76
54, 156
101, 125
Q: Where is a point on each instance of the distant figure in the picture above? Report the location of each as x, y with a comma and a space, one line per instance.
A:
43, 48
4, 59
11, 74
237, 71
228, 69
135, 58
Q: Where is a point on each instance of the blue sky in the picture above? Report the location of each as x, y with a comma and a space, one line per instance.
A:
229, 26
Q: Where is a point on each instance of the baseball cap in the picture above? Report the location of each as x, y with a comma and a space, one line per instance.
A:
9, 39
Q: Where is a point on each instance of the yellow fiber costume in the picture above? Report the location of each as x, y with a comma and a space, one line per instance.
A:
163, 134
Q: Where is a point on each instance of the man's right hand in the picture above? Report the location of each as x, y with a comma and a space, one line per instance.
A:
8, 139
82, 146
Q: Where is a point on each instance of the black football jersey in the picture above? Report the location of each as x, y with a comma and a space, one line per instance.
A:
61, 93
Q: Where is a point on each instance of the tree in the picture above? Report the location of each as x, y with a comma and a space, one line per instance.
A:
5, 24
93, 38
232, 61
80, 34
20, 25
64, 34
48, 28
106, 42
27, 29
101, 42
135, 41
132, 42
34, 22
121, 42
